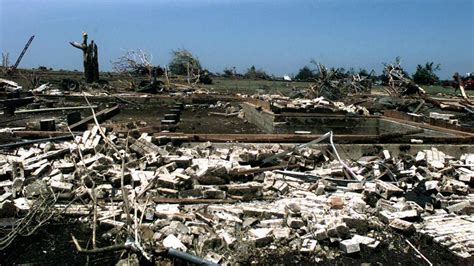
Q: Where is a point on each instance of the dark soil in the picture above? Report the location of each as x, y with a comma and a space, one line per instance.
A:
52, 244
193, 120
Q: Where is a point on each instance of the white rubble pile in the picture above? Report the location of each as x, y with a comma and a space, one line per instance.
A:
284, 102
210, 200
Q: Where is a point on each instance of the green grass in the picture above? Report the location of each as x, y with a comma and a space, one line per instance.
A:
232, 86
436, 89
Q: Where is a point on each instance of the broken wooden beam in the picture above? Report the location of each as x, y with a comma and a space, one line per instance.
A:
56, 109
17, 101
192, 200
28, 142
101, 116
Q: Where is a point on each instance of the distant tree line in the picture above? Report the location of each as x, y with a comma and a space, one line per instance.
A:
424, 74
184, 63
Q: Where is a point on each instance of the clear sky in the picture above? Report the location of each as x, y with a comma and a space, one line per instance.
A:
279, 36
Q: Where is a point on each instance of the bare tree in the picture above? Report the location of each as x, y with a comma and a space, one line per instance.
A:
137, 62
91, 59
5, 60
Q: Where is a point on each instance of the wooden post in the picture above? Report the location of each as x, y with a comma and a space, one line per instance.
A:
187, 70
458, 80
90, 57
167, 78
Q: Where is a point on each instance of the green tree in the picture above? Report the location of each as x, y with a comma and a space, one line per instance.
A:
254, 73
229, 72
183, 61
363, 72
425, 75
205, 77
305, 74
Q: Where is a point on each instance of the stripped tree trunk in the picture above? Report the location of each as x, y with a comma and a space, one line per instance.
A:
458, 80
91, 59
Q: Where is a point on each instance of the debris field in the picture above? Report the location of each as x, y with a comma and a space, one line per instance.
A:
188, 175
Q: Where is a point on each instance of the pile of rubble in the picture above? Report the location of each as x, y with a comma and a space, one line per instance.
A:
9, 86
283, 103
334, 84
212, 201
399, 83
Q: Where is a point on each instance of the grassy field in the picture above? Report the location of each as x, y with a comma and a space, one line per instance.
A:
245, 86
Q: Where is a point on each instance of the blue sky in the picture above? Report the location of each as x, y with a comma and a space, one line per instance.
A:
279, 36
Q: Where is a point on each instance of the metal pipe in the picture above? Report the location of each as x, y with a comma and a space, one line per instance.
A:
188, 257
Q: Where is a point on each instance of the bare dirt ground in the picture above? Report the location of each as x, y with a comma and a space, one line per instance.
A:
193, 120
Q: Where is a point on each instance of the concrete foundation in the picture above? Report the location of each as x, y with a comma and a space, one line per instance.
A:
315, 123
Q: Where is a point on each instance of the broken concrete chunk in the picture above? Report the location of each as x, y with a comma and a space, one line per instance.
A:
168, 191
21, 204
355, 186
61, 186
469, 159
360, 223
294, 222
173, 242
336, 202
387, 190
261, 236
364, 240
387, 216
213, 257
144, 147
214, 194
349, 246
431, 185
402, 226
281, 233
43, 169
168, 182
281, 187
459, 207
5, 196
420, 156
228, 239
308, 246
